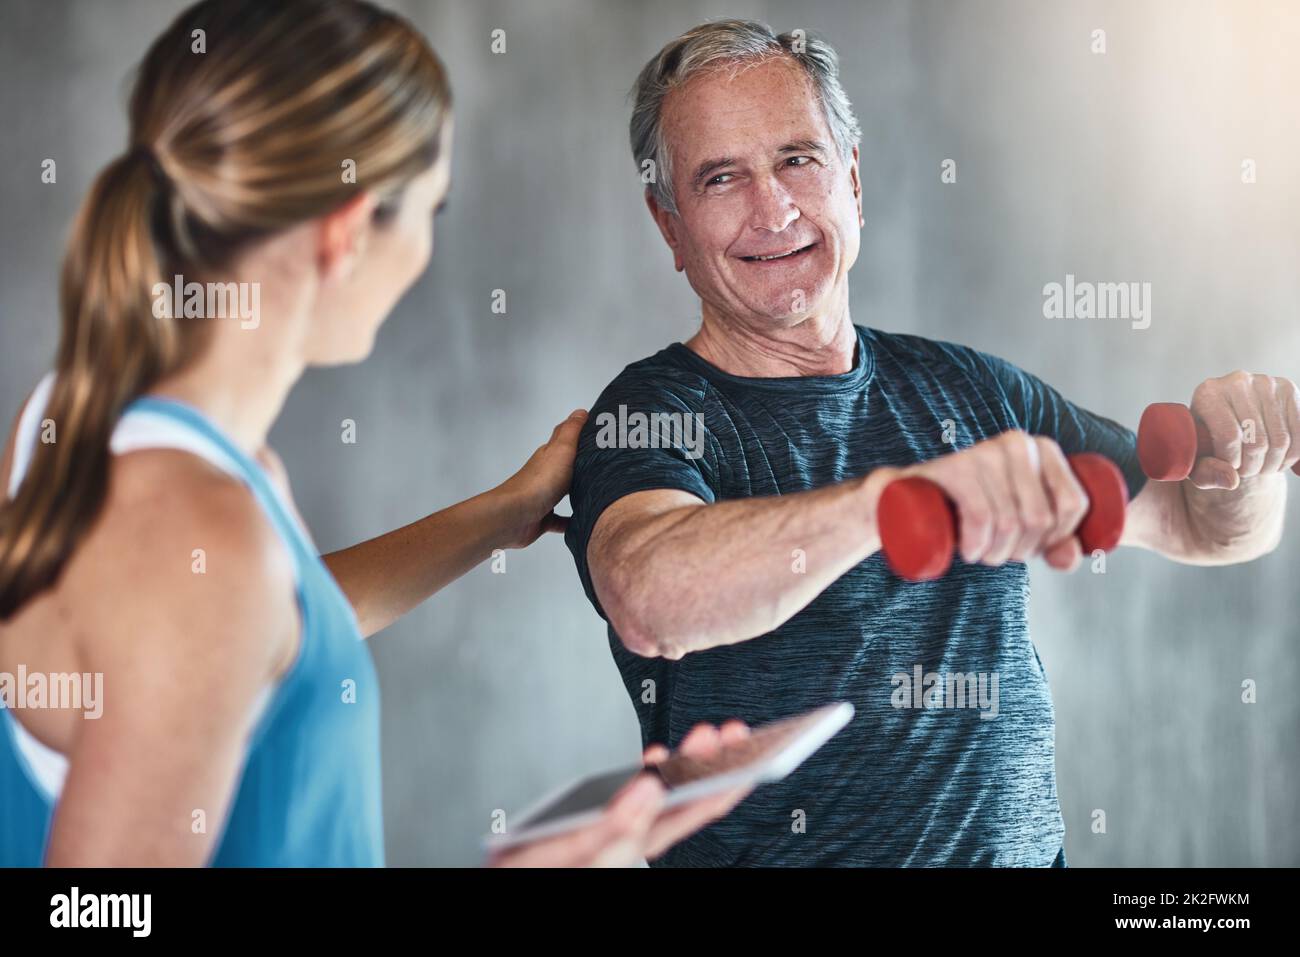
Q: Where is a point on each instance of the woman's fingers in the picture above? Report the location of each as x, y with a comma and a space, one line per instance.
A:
678, 823
633, 824
565, 435
555, 523
701, 742
733, 731
623, 834
619, 838
531, 494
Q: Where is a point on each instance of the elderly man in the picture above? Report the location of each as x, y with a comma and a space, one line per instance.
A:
741, 575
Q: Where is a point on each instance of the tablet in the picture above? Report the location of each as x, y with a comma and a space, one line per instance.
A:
770, 753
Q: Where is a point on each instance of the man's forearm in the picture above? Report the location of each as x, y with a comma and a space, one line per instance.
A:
387, 576
701, 576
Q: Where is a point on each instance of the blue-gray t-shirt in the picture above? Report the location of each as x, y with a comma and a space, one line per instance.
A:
932, 785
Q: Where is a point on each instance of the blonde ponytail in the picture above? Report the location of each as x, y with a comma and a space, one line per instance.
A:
231, 144
111, 351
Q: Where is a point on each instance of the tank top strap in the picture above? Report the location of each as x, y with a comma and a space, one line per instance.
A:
155, 422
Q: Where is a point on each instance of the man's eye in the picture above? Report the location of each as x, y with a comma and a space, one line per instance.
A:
799, 160
719, 179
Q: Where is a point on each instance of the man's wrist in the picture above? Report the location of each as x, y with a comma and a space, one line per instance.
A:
870, 487
1236, 524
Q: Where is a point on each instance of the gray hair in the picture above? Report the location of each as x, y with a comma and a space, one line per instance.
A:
716, 44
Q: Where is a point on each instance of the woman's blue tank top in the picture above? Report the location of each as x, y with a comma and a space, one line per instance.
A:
309, 793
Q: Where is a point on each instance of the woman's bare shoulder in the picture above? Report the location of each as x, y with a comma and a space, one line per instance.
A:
180, 555
183, 557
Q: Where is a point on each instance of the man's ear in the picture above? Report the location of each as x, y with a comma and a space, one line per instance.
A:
667, 223
342, 236
857, 186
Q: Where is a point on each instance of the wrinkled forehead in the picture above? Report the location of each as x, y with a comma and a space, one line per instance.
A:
742, 110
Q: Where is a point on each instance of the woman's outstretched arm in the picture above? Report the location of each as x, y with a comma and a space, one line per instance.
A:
387, 576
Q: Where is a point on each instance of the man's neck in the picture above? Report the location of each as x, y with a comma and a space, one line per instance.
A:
817, 346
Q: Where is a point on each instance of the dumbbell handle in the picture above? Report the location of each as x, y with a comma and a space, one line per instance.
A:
1171, 437
918, 523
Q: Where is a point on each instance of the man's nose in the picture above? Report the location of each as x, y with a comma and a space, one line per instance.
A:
773, 207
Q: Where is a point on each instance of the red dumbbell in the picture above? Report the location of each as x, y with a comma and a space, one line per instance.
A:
918, 524
1171, 437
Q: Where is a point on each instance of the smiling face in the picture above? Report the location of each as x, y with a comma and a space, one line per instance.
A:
768, 212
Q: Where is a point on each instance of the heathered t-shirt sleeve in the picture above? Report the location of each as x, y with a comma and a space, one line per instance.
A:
626, 446
1040, 409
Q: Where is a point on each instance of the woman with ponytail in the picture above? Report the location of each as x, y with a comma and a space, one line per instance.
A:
148, 534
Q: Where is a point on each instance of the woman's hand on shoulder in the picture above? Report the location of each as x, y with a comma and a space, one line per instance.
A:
533, 491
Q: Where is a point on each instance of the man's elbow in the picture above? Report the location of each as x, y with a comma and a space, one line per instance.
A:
635, 618
647, 644
635, 625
